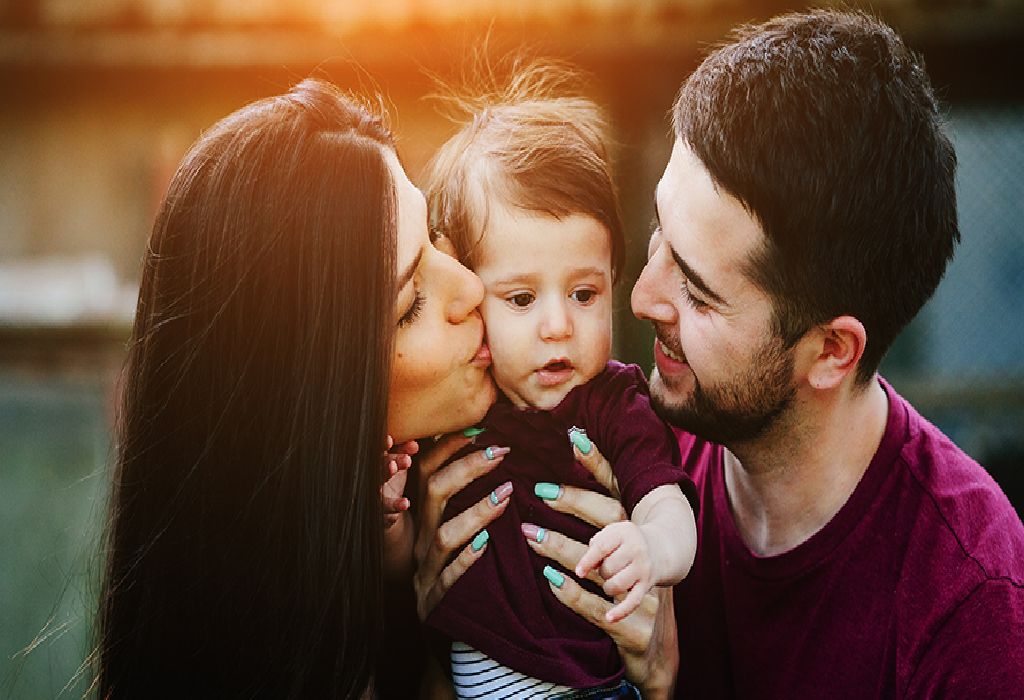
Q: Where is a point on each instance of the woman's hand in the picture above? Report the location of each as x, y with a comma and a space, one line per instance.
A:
647, 638
437, 541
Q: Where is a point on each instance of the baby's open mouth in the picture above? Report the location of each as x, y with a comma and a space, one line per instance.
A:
557, 366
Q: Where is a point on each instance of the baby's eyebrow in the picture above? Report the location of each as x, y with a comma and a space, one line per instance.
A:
517, 278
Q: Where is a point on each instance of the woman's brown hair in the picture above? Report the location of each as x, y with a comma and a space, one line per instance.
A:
244, 547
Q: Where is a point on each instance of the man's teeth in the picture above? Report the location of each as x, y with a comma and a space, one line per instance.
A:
668, 353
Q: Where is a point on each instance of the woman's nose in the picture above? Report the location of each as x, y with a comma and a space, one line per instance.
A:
555, 323
466, 289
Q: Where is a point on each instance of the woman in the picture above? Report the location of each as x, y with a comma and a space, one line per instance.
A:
293, 312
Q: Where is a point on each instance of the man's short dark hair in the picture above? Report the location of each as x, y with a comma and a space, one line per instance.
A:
825, 126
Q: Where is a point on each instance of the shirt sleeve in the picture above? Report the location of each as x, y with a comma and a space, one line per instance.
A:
641, 448
978, 652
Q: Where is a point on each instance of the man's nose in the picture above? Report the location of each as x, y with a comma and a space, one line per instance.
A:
650, 299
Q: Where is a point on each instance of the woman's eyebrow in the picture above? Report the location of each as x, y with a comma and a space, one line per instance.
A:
403, 279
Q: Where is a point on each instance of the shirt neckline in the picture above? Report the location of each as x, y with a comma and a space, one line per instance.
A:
819, 546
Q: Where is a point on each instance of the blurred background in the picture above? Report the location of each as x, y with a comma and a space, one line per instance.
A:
102, 97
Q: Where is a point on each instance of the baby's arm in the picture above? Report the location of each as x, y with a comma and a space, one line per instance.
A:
655, 548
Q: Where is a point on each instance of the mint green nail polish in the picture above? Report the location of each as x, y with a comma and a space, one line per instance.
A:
480, 540
472, 432
555, 577
547, 490
493, 498
541, 534
578, 437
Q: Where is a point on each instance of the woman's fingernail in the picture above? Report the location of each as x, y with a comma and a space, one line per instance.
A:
480, 540
555, 577
493, 452
578, 437
501, 493
472, 432
534, 532
547, 490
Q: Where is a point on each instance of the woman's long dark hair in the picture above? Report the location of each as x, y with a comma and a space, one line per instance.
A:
244, 546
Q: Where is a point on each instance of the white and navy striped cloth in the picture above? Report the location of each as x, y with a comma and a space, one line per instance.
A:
476, 675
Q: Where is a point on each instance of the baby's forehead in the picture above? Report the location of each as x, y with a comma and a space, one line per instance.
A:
526, 242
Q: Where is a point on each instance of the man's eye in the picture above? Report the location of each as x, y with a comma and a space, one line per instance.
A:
694, 301
522, 299
584, 296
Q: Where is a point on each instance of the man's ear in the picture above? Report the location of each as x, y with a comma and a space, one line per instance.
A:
841, 344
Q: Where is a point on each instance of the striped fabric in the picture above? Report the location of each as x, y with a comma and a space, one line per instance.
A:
476, 675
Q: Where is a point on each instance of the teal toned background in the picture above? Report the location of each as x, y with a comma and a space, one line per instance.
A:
102, 97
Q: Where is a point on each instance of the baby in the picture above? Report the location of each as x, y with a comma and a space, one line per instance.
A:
526, 196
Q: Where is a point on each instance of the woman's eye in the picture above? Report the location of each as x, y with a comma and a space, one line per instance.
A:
521, 300
414, 311
584, 296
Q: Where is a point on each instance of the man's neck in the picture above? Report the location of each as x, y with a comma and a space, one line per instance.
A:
789, 484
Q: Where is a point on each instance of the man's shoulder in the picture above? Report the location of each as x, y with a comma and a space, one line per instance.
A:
959, 502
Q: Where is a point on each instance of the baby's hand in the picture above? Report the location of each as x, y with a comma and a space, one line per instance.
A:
621, 554
396, 462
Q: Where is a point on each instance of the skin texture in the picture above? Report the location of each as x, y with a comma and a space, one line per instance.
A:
439, 379
719, 369
548, 299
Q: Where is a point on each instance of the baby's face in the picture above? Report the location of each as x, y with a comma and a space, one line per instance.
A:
548, 302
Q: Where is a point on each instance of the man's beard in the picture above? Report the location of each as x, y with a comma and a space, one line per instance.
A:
741, 410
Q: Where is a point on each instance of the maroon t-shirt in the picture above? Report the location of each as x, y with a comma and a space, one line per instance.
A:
503, 605
914, 589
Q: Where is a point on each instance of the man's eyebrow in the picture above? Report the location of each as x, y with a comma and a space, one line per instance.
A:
695, 279
688, 271
403, 279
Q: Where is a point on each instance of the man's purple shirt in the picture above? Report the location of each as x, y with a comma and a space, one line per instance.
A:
914, 589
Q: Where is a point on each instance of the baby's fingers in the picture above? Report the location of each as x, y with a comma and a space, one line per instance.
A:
628, 604
599, 549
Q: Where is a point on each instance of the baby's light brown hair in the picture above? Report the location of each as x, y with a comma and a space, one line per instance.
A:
535, 144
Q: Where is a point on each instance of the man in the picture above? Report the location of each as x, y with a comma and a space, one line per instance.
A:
846, 547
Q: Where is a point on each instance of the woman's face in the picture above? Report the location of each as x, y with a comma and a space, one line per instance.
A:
439, 377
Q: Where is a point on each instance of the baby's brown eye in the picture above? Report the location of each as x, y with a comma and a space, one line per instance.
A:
522, 300
584, 296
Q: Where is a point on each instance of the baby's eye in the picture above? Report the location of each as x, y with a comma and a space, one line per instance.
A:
584, 296
521, 300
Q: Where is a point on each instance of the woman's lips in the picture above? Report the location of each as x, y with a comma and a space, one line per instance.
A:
667, 364
482, 358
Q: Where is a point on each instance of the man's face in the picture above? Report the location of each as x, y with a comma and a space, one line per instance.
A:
720, 371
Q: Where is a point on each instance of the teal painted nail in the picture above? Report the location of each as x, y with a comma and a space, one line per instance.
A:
480, 540
541, 534
547, 490
472, 432
493, 498
578, 437
555, 577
